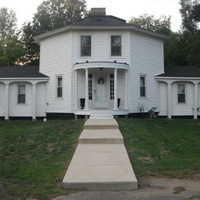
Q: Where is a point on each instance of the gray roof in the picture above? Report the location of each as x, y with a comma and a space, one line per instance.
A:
181, 71
101, 22
21, 72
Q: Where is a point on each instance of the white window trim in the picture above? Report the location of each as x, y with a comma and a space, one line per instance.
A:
92, 46
56, 83
181, 84
145, 79
25, 93
122, 46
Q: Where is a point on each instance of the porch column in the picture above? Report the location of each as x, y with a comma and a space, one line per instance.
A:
169, 103
115, 90
33, 101
195, 100
126, 90
76, 90
86, 89
6, 101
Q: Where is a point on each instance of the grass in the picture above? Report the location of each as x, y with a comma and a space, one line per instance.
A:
34, 157
163, 147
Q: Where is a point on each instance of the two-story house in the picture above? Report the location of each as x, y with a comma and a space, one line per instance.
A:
99, 65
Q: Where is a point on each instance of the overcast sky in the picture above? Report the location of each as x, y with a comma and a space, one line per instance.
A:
124, 9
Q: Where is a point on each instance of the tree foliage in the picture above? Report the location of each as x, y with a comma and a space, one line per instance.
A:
7, 22
50, 15
11, 50
190, 13
149, 22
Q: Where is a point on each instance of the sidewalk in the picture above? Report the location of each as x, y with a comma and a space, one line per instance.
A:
100, 161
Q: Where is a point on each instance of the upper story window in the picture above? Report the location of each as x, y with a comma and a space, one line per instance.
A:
116, 45
21, 94
85, 45
59, 87
181, 93
142, 86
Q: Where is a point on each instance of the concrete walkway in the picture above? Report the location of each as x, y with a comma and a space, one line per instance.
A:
100, 161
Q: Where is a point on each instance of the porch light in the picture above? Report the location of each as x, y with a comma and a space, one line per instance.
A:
101, 69
115, 61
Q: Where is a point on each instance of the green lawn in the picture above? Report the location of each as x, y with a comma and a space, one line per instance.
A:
34, 157
163, 147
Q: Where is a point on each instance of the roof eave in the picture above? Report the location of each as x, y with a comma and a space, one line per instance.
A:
130, 28
176, 78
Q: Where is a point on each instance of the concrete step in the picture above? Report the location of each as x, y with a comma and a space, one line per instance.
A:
101, 116
98, 136
101, 124
100, 167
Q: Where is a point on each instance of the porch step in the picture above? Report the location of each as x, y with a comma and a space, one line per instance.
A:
106, 136
101, 124
101, 116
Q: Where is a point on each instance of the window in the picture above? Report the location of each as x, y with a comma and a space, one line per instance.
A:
111, 86
142, 86
90, 86
85, 45
59, 87
21, 94
181, 93
116, 46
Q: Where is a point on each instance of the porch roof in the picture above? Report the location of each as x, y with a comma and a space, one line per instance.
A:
101, 65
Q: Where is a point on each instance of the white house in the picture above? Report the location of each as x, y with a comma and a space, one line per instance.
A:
99, 65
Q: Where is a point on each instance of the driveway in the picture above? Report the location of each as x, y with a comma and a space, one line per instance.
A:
150, 189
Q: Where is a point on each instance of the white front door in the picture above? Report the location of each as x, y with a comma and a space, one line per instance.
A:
101, 91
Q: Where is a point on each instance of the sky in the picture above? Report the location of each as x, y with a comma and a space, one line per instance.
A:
124, 9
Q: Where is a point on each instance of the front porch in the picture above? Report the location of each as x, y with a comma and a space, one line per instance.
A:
101, 88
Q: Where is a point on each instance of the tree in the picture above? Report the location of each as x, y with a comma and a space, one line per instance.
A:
51, 14
7, 22
160, 25
190, 12
11, 50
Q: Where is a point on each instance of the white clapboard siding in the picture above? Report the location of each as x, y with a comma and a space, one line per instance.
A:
41, 100
2, 99
101, 50
147, 58
16, 109
183, 108
55, 53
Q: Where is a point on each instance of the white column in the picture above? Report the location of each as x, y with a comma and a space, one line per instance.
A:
76, 90
115, 90
86, 89
169, 103
195, 100
6, 101
126, 90
34, 101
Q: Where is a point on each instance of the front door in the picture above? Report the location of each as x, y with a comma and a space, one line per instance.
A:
101, 91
